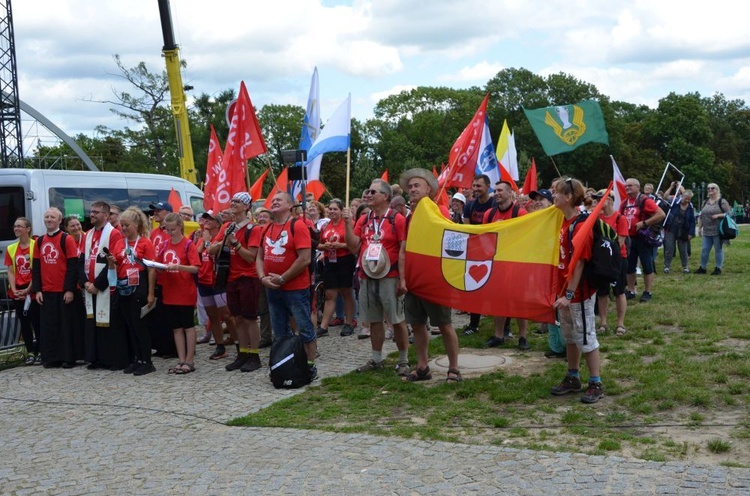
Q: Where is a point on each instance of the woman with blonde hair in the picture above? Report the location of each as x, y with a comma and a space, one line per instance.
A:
714, 209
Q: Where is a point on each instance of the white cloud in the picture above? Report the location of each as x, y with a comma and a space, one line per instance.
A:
395, 90
479, 73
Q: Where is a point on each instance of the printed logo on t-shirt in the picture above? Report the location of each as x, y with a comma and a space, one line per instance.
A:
278, 247
23, 265
171, 257
50, 253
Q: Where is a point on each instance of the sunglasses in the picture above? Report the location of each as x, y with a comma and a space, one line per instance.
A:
373, 191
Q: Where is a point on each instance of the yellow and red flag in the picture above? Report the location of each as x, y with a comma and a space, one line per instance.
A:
504, 268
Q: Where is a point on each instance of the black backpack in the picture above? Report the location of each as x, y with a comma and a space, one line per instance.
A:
604, 267
288, 363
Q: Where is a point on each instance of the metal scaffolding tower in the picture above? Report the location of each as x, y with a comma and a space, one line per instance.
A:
10, 112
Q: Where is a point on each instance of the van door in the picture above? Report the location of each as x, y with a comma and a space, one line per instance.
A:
12, 206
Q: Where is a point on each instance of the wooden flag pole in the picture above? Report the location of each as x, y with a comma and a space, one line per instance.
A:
348, 172
555, 166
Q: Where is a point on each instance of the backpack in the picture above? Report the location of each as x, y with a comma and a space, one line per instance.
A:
727, 225
513, 214
288, 363
604, 267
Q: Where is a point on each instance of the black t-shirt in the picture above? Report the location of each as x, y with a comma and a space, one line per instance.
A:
474, 211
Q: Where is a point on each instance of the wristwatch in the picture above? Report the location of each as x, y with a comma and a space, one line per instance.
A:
281, 281
569, 294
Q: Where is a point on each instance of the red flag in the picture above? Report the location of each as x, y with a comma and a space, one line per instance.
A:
174, 200
434, 172
282, 184
530, 184
586, 230
505, 176
463, 156
316, 187
256, 190
213, 186
384, 177
244, 142
619, 189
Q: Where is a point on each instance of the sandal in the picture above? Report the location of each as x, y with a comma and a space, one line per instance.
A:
419, 375
176, 369
186, 368
454, 376
620, 331
602, 329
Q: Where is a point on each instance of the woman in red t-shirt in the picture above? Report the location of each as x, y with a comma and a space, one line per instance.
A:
338, 269
135, 287
179, 290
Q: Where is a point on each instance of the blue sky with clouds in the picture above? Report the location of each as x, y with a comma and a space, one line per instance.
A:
634, 51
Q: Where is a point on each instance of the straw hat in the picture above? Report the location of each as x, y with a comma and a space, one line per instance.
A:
377, 269
422, 173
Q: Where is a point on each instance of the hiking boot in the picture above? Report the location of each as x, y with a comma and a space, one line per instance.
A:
716, 272
645, 297
494, 342
700, 270
219, 353
523, 344
594, 393
347, 330
238, 362
469, 330
371, 365
131, 368
252, 363
403, 369
321, 332
629, 295
568, 385
313, 373
144, 368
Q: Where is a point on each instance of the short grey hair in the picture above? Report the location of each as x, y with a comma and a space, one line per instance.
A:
384, 187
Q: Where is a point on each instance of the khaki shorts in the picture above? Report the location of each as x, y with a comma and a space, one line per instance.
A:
417, 310
571, 325
378, 300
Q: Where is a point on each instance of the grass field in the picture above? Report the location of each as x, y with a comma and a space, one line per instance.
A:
677, 384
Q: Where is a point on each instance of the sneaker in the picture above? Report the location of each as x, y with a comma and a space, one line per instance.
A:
629, 295
252, 363
403, 369
364, 333
494, 342
666, 270
638, 271
716, 272
347, 330
238, 362
313, 373
523, 344
371, 365
219, 353
594, 393
131, 368
205, 339
645, 297
554, 354
700, 270
321, 332
389, 334
469, 330
336, 322
685, 270
37, 359
568, 385
30, 360
145, 368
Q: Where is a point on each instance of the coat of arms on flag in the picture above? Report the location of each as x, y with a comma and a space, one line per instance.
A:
467, 258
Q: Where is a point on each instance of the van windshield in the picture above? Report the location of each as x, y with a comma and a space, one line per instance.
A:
12, 206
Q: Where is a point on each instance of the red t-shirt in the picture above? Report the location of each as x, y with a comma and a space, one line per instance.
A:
130, 251
565, 254
178, 288
503, 215
158, 238
115, 246
54, 260
630, 209
22, 269
280, 244
620, 224
238, 266
335, 234
206, 274
392, 234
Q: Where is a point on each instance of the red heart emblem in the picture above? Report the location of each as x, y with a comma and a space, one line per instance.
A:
477, 272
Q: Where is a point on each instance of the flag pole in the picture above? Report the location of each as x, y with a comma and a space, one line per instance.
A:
348, 172
555, 165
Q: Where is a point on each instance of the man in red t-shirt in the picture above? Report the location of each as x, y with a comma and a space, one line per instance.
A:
242, 239
282, 266
506, 208
620, 224
54, 277
641, 212
379, 238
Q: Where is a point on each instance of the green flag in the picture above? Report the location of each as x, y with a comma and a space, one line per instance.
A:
564, 128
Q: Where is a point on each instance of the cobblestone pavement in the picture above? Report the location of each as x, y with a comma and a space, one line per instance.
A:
77, 431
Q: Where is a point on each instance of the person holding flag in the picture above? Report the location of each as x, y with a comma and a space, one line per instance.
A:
576, 306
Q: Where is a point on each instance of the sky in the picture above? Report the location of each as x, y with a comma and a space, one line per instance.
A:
632, 51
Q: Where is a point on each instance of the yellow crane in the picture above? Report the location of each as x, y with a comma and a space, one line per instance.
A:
177, 91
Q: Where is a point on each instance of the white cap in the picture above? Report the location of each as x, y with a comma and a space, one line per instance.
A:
460, 197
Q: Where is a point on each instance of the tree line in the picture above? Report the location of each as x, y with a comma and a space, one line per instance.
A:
705, 137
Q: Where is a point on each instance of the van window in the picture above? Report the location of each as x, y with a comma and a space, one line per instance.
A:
197, 204
142, 198
77, 201
12, 206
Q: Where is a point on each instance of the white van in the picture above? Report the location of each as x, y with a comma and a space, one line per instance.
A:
29, 192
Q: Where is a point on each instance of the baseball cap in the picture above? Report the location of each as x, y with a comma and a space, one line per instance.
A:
243, 197
209, 214
600, 194
460, 197
542, 193
161, 206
